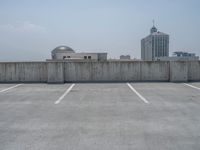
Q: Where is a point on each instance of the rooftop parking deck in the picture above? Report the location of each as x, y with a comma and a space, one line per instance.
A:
100, 116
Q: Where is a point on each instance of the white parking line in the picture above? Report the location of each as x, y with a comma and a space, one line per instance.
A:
67, 91
12, 87
192, 86
138, 94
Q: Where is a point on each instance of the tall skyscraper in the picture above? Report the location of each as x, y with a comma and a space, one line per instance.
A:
155, 45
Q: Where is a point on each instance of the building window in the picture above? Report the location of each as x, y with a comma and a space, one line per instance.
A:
68, 56
64, 57
85, 57
89, 57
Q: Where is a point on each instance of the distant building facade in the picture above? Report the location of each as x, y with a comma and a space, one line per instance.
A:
180, 56
154, 45
125, 57
67, 53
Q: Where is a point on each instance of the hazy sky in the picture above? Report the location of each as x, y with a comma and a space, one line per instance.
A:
30, 29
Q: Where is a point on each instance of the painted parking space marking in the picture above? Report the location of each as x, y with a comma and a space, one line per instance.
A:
12, 87
137, 93
66, 92
192, 86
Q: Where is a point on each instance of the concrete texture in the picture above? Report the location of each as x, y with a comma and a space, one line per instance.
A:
93, 71
100, 116
116, 71
23, 72
154, 71
55, 72
103, 71
178, 71
194, 71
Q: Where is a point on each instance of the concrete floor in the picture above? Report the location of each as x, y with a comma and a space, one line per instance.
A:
107, 116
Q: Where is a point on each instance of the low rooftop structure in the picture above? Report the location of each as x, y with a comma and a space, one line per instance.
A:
125, 57
61, 53
179, 56
183, 54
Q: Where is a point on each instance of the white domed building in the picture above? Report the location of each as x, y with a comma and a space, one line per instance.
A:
61, 52
67, 53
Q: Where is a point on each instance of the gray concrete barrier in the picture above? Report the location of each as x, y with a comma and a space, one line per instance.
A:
116, 71
178, 71
55, 72
108, 71
194, 71
154, 71
23, 72
101, 71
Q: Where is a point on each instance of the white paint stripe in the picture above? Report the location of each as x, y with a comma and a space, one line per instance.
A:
12, 87
68, 90
138, 94
192, 86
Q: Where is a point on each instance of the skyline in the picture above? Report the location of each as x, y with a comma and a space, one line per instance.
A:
31, 29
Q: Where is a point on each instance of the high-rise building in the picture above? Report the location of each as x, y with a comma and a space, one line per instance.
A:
155, 45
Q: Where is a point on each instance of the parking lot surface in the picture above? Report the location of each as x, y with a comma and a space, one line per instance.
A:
100, 116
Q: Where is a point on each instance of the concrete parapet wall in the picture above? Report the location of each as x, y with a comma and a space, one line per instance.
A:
194, 71
23, 72
154, 71
178, 71
116, 71
55, 72
102, 71
111, 71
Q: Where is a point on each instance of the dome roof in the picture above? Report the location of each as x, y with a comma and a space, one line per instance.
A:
63, 49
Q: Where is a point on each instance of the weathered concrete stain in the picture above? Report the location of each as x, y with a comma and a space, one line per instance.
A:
110, 71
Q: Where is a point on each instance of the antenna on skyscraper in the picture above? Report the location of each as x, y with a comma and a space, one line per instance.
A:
153, 23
